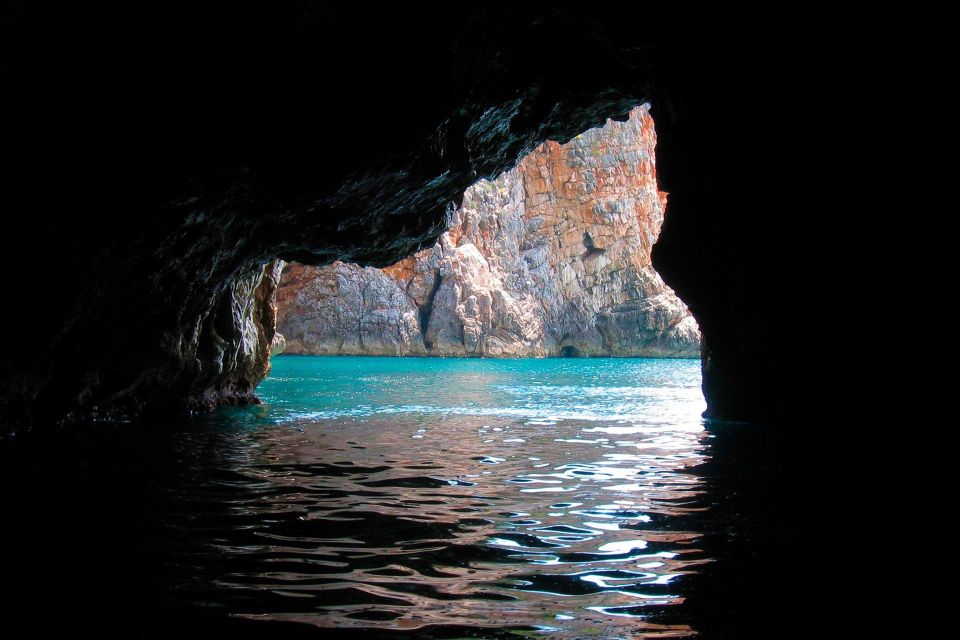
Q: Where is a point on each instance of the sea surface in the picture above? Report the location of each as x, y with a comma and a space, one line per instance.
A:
392, 497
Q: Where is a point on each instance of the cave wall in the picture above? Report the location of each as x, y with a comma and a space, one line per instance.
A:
163, 154
157, 156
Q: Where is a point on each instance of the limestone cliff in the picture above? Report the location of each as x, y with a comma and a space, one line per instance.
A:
550, 258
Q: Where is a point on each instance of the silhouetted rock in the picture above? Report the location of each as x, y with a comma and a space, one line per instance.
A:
155, 158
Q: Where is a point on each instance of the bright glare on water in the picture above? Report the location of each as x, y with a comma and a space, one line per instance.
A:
542, 497
402, 498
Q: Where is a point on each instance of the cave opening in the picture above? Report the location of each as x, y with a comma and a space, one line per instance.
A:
553, 413
570, 351
552, 258
152, 173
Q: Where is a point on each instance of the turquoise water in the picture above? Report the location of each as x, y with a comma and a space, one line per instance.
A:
640, 392
442, 495
397, 498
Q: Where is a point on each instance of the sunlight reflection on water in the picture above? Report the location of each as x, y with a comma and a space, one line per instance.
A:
398, 494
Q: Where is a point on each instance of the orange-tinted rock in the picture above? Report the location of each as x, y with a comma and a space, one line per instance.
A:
550, 258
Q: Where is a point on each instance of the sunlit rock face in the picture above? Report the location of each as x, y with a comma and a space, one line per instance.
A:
157, 171
550, 258
156, 155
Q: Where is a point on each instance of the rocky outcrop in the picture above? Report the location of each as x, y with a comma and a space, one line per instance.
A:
153, 157
217, 141
278, 344
551, 258
239, 338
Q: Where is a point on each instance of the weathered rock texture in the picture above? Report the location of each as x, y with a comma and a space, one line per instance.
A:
550, 258
154, 154
157, 169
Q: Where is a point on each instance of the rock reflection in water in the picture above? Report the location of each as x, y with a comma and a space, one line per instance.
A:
383, 498
553, 527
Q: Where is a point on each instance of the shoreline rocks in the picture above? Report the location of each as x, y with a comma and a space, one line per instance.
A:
551, 258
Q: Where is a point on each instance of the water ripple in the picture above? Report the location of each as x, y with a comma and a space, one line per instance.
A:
533, 507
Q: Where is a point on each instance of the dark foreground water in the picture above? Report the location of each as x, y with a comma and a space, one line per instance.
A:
403, 497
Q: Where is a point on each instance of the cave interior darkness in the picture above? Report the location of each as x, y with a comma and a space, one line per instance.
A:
156, 157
